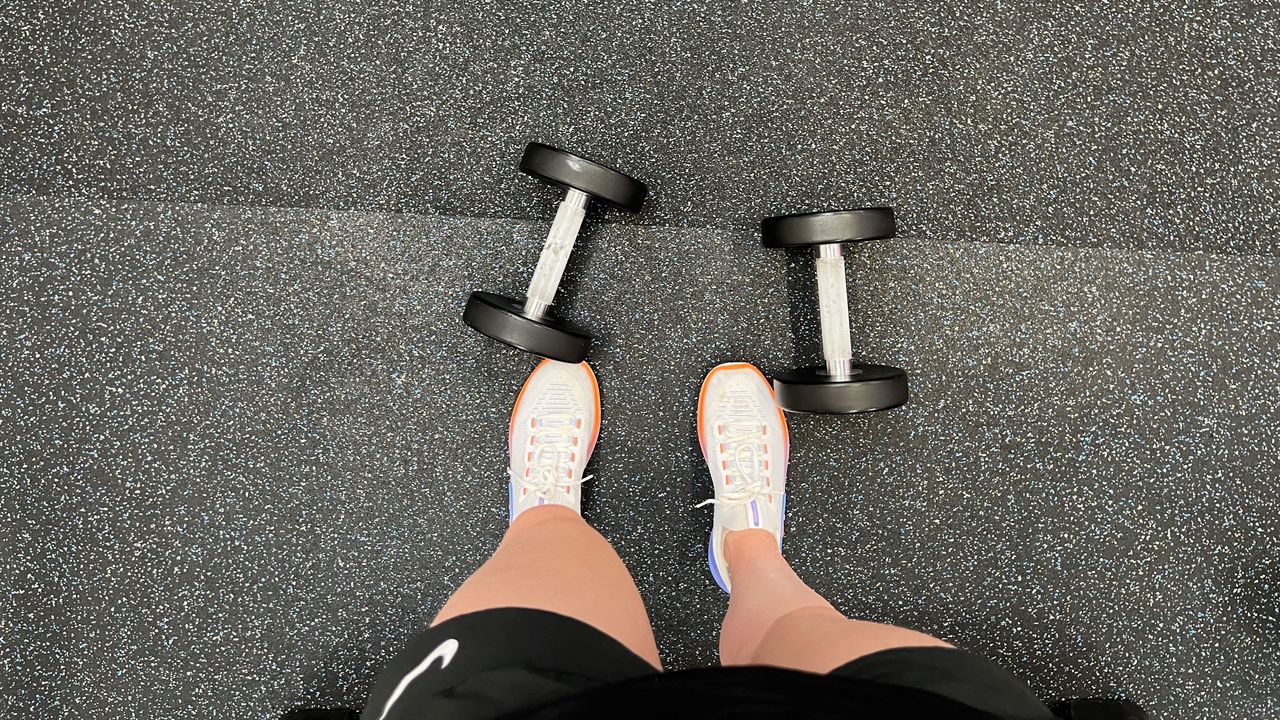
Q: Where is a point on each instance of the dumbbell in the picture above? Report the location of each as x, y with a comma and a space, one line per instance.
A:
529, 324
839, 385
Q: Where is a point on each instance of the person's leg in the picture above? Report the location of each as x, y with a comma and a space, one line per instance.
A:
553, 611
551, 559
775, 619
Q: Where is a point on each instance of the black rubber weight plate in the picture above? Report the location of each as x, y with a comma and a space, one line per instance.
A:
503, 319
812, 390
822, 228
564, 169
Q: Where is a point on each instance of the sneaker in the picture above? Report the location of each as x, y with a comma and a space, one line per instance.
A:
744, 440
553, 430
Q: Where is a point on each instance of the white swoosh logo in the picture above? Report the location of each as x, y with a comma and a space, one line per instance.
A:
443, 652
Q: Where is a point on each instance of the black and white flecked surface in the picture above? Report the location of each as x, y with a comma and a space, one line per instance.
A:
246, 452
1146, 124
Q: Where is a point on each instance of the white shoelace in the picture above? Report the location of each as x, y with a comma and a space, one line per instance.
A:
552, 438
744, 442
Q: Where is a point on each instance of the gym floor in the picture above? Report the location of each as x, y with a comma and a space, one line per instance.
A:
249, 446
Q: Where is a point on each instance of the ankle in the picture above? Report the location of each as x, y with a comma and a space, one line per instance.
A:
543, 514
747, 547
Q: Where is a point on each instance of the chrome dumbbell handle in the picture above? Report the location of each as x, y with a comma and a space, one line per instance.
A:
555, 253
833, 309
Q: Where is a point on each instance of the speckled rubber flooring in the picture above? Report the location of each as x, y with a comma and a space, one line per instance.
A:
248, 451
247, 445
1115, 123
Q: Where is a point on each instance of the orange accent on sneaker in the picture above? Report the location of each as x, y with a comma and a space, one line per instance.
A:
595, 393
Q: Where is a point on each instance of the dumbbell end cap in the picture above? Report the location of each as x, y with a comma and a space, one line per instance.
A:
565, 169
824, 228
870, 388
504, 320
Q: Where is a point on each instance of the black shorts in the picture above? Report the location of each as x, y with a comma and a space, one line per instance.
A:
518, 663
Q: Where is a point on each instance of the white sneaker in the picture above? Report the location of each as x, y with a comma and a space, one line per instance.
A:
744, 439
554, 426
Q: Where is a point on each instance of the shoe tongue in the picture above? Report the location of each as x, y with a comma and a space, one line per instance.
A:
548, 457
739, 517
745, 462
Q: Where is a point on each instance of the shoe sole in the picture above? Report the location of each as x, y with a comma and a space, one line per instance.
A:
786, 449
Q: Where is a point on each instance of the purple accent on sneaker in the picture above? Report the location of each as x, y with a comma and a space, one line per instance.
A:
542, 501
783, 530
755, 513
715, 570
511, 502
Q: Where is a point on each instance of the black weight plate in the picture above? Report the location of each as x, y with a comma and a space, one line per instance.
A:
503, 319
564, 169
812, 390
823, 228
